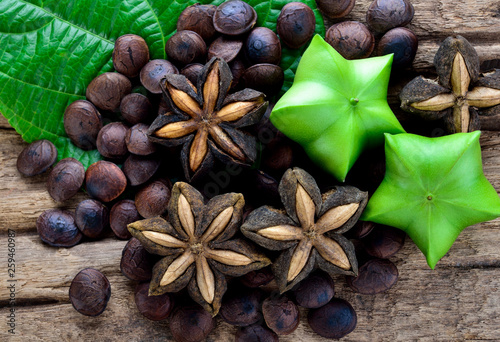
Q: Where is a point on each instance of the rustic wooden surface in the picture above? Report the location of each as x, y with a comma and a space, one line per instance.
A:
458, 301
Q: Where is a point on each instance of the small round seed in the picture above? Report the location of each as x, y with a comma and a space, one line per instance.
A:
89, 292
137, 140
383, 15
152, 73
82, 123
111, 140
375, 276
92, 218
263, 46
234, 18
139, 169
130, 54
136, 263
136, 108
36, 158
121, 214
152, 199
191, 324
155, 308
186, 47
65, 179
57, 228
198, 18
107, 90
351, 39
333, 320
314, 291
105, 181
295, 24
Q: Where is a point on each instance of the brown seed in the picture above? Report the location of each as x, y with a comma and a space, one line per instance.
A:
263, 46
281, 314
105, 181
403, 43
384, 241
57, 228
155, 308
361, 229
267, 78
130, 54
136, 263
191, 324
139, 169
234, 17
65, 179
314, 291
351, 39
186, 47
225, 47
111, 140
92, 218
192, 72
295, 24
198, 18
107, 90
82, 123
36, 158
335, 8
242, 307
237, 67
152, 73
121, 214
137, 140
382, 15
89, 292
136, 108
333, 320
152, 199
375, 276
255, 333
258, 278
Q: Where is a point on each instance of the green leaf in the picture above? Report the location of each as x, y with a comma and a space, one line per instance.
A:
51, 50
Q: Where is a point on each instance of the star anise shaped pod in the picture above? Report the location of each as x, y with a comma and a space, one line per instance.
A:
309, 232
196, 242
207, 121
460, 92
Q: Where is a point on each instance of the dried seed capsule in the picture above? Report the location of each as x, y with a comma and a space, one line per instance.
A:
375, 276
65, 179
92, 218
191, 324
121, 214
267, 78
225, 47
57, 228
403, 43
384, 241
107, 90
155, 308
351, 39
192, 72
255, 332
258, 278
263, 46
198, 18
89, 292
234, 17
242, 307
82, 123
111, 140
136, 263
314, 291
186, 47
152, 199
137, 140
36, 158
152, 73
295, 24
333, 320
105, 181
136, 108
335, 8
382, 15
130, 54
281, 314
139, 169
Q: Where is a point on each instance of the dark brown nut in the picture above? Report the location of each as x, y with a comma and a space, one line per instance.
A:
89, 292
267, 78
36, 158
155, 308
121, 214
92, 218
82, 123
107, 90
351, 39
225, 47
237, 67
234, 17
137, 140
263, 46
105, 181
255, 333
192, 72
375, 276
198, 18
361, 229
191, 324
130, 54
65, 179
152, 199
383, 15
242, 307
57, 228
139, 169
186, 47
111, 140
314, 291
152, 73
295, 24
258, 278
136, 263
281, 314
333, 320
403, 43
384, 241
335, 8
136, 108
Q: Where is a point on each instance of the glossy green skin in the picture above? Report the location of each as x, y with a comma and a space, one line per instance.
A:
433, 189
336, 108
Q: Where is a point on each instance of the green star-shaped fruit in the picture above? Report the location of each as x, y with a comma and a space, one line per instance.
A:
336, 107
433, 189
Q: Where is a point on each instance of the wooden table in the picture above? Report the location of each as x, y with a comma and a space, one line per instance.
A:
459, 300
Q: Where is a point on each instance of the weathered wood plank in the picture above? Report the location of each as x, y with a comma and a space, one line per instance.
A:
4, 123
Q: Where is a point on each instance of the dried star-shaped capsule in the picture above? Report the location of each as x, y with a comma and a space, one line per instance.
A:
196, 245
206, 121
309, 234
459, 94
